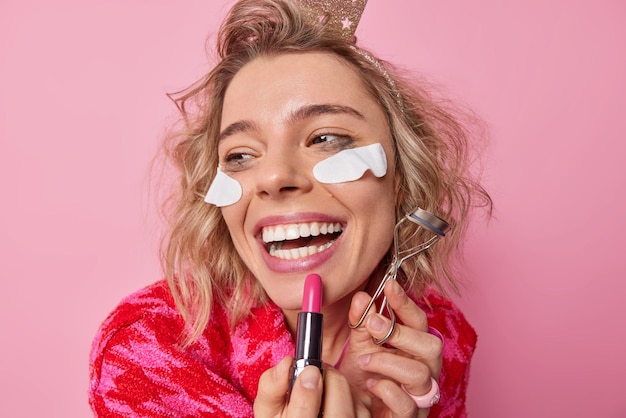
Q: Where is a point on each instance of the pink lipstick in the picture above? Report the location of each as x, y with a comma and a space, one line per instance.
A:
309, 328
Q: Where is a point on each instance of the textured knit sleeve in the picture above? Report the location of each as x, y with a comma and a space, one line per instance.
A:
459, 345
139, 369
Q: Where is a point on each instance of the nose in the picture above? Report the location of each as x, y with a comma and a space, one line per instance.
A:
282, 173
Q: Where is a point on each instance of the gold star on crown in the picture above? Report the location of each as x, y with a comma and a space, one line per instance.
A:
341, 16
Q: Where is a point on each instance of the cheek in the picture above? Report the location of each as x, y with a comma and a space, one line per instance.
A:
369, 197
235, 213
234, 216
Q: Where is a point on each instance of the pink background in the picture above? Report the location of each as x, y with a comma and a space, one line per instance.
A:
83, 106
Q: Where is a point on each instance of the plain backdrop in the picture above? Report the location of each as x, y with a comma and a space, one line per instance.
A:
83, 110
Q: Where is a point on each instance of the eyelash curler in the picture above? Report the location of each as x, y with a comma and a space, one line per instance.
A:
423, 219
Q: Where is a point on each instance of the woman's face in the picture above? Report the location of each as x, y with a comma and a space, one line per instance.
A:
282, 115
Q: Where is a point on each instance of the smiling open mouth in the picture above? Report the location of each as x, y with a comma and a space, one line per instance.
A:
291, 242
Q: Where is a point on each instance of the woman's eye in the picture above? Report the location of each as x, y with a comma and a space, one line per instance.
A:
332, 142
322, 138
236, 161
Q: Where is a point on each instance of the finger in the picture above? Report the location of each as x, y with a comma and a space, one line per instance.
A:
417, 344
413, 374
413, 318
424, 410
360, 338
395, 399
306, 394
404, 307
338, 400
273, 385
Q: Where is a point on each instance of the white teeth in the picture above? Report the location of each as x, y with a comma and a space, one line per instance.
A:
296, 253
276, 235
305, 231
315, 229
279, 234
294, 231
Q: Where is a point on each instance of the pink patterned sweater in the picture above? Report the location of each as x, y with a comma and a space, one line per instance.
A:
139, 369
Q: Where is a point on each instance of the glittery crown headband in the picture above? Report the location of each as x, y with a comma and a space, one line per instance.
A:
340, 16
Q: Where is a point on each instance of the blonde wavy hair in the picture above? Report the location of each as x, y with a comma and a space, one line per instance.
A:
432, 154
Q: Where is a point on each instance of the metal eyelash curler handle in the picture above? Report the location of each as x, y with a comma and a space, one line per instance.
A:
424, 219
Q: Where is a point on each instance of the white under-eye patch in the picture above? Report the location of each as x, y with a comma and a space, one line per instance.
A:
351, 164
224, 190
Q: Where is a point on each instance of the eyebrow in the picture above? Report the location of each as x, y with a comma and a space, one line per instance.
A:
303, 113
311, 111
241, 126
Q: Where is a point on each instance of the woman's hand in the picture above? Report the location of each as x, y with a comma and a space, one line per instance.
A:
411, 356
306, 395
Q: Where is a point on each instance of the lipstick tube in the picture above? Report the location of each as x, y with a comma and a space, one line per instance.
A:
309, 329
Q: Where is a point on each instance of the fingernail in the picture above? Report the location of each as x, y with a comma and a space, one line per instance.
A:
377, 323
364, 359
309, 378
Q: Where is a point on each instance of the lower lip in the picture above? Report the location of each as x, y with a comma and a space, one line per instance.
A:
307, 263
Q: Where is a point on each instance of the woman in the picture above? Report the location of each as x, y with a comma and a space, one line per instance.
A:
272, 132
